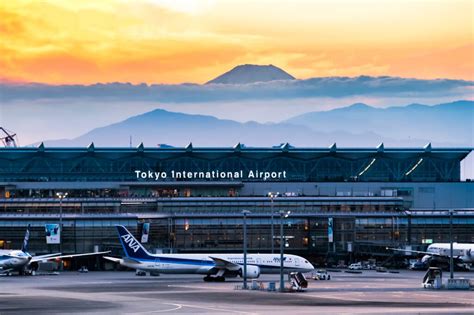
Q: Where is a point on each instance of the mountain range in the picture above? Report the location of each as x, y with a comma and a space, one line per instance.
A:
355, 125
449, 122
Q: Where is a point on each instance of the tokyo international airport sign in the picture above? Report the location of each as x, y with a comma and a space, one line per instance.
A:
213, 175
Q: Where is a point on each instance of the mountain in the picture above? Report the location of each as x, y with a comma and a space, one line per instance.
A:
245, 74
160, 126
449, 122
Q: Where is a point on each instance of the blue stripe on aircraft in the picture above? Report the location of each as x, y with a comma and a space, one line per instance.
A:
187, 261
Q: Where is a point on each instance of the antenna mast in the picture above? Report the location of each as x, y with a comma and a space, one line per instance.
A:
8, 139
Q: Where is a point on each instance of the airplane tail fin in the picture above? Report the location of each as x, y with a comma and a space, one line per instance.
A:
24, 246
131, 246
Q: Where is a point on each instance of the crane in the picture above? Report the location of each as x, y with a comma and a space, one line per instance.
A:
8, 139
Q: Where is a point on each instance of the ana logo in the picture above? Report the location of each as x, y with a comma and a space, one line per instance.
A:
133, 244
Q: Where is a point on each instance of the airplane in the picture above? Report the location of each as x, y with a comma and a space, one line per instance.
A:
215, 267
463, 253
24, 263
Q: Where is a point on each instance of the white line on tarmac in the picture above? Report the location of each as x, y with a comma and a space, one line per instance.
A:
177, 307
196, 287
332, 297
215, 309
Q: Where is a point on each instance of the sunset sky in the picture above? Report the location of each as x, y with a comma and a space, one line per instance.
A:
173, 41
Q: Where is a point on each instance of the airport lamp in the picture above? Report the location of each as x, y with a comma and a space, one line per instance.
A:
61, 196
245, 212
283, 215
272, 241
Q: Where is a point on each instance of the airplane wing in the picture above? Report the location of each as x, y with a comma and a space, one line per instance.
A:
225, 264
129, 259
113, 259
83, 254
59, 256
44, 257
420, 252
125, 259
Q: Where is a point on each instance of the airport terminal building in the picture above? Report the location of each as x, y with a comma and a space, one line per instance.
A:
344, 203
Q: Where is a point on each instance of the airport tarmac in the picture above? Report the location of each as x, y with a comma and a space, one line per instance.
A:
125, 293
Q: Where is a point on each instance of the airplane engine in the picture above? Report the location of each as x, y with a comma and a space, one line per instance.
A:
253, 272
426, 259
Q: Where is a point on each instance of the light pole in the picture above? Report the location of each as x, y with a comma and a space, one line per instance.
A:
245, 212
272, 195
61, 196
282, 237
451, 260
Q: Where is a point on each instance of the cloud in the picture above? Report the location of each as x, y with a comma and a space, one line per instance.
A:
334, 87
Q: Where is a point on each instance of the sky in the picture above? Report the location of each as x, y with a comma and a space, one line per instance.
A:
173, 41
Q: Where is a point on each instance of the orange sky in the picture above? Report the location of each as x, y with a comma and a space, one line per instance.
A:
173, 41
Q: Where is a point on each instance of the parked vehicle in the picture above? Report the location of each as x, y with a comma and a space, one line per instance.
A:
355, 266
321, 274
83, 269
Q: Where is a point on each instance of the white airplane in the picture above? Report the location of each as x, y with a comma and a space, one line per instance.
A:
463, 253
23, 262
215, 267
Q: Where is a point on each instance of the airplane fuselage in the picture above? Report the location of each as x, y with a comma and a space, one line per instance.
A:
461, 251
13, 259
203, 264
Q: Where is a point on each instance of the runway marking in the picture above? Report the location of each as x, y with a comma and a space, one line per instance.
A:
332, 297
195, 287
178, 306
216, 309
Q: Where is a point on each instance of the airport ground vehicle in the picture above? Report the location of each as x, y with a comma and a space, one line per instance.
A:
355, 266
321, 274
433, 278
298, 281
83, 269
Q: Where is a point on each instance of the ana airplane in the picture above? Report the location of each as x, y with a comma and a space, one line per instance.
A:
215, 267
24, 263
463, 253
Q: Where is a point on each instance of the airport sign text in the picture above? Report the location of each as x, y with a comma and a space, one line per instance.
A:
213, 175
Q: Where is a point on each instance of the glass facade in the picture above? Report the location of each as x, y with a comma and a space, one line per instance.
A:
299, 164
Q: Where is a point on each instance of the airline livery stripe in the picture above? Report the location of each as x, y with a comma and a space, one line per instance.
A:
200, 262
